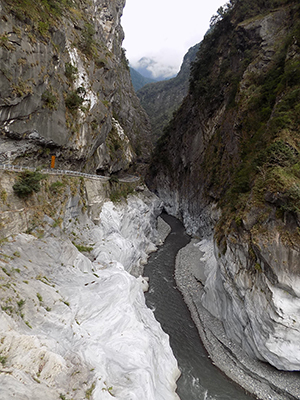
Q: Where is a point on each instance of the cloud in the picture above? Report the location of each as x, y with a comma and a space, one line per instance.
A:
162, 65
154, 68
164, 30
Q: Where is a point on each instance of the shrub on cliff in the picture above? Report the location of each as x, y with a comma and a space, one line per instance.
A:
28, 182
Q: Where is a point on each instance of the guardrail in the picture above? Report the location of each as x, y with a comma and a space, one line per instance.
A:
10, 167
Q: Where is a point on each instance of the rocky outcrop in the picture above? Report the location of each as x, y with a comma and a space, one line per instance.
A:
225, 167
258, 306
194, 266
73, 321
64, 81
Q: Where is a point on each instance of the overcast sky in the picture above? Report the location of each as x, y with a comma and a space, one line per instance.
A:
164, 30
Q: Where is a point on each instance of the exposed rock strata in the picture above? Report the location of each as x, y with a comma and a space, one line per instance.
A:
74, 324
61, 86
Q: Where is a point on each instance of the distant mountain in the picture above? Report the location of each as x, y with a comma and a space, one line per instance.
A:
161, 99
138, 80
154, 69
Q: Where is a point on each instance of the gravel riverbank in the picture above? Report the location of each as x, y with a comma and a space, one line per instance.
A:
260, 379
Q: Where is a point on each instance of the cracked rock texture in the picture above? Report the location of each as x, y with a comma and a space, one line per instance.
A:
65, 86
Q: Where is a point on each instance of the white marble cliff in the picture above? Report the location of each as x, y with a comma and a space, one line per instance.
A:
74, 325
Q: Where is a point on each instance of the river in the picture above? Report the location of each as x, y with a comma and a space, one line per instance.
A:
200, 379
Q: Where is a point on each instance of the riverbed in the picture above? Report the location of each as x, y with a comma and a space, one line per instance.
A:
200, 379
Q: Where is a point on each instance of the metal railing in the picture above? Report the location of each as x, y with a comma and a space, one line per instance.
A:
16, 168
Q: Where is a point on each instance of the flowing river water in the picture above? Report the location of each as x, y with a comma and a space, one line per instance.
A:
200, 379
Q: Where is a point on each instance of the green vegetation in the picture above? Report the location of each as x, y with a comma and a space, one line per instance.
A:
119, 190
106, 103
108, 389
57, 222
124, 59
251, 160
113, 179
50, 99
75, 99
3, 360
56, 187
114, 144
242, 10
269, 143
3, 195
39, 296
4, 42
160, 156
65, 302
70, 71
28, 324
89, 392
117, 195
41, 13
87, 43
83, 248
161, 99
5, 271
20, 304
27, 183
139, 80
45, 280
22, 88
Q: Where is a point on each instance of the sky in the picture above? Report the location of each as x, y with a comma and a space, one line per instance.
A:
164, 30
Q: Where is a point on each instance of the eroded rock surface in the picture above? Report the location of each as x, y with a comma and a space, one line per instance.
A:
73, 320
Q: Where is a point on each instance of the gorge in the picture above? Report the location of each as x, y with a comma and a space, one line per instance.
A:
219, 166
74, 323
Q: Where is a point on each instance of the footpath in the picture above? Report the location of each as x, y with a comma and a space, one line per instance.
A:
52, 171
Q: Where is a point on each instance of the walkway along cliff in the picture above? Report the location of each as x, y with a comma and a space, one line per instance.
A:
73, 319
65, 87
227, 165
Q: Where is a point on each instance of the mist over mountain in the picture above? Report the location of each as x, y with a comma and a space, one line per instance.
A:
161, 99
154, 69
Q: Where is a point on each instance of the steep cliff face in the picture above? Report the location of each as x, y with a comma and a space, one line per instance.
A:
73, 321
161, 99
64, 77
228, 166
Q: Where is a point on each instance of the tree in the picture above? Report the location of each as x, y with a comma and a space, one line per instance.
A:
28, 182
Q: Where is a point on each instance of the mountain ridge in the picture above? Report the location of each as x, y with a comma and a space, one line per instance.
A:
138, 80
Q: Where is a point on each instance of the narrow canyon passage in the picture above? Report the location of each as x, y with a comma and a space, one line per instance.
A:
200, 379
